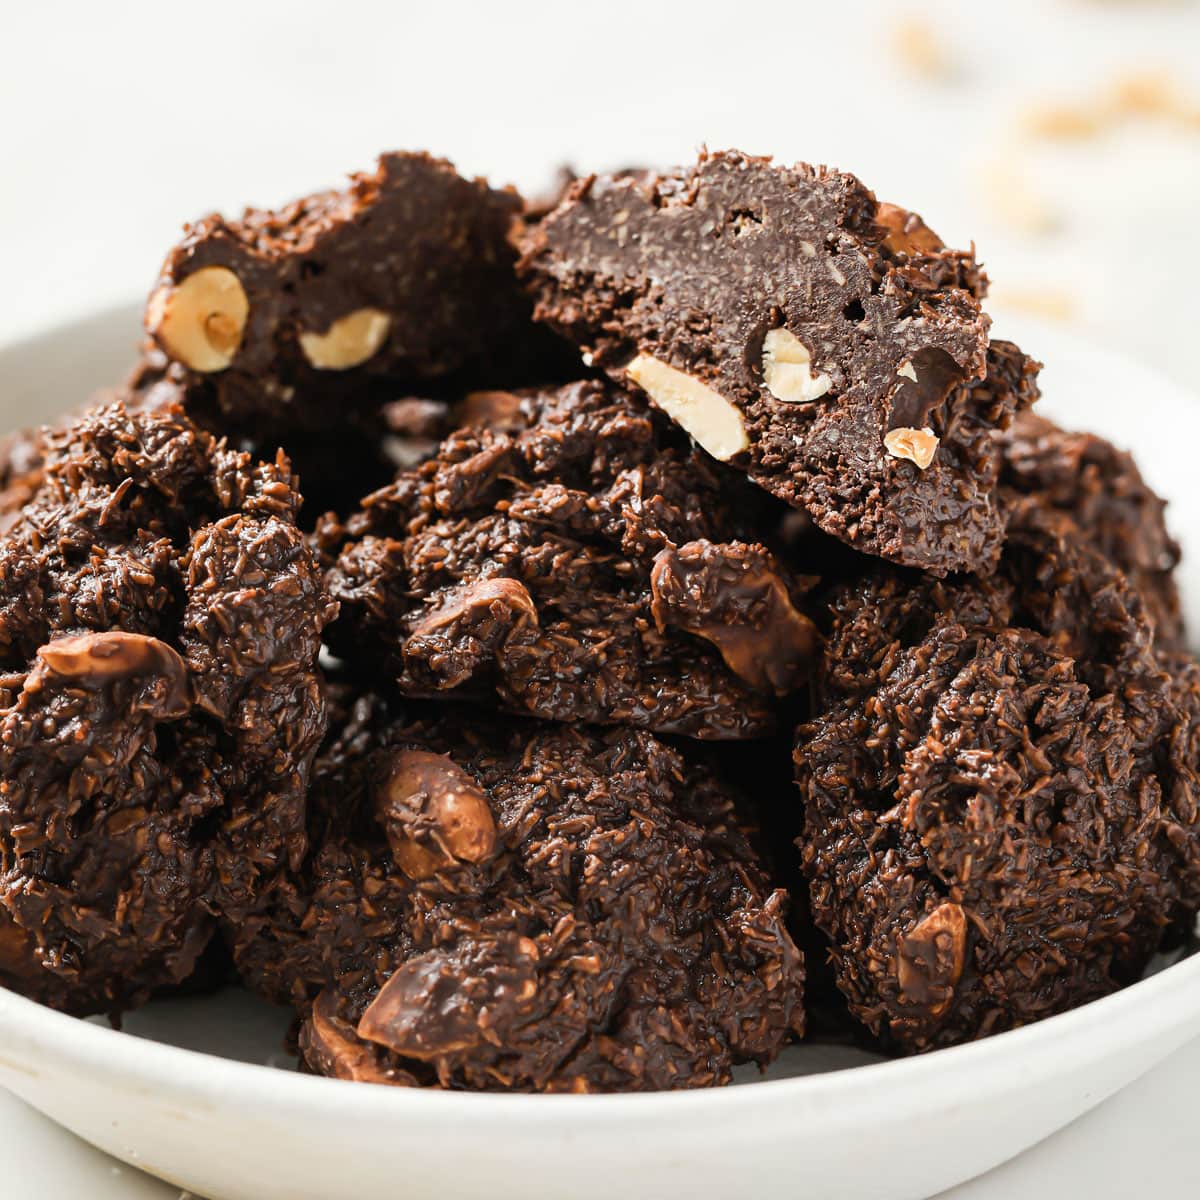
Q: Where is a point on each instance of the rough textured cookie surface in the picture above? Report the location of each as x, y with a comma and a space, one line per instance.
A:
160, 618
1101, 489
796, 327
332, 468
567, 555
1000, 790
521, 906
343, 300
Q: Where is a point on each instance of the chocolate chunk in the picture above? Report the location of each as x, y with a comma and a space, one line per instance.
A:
598, 922
1000, 789
160, 618
519, 566
1103, 492
791, 324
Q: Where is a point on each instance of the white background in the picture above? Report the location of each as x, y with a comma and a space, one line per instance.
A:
120, 121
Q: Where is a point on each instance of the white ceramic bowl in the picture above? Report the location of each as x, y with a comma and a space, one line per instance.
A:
191, 1091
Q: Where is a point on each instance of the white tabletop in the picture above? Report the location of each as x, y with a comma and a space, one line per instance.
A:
121, 121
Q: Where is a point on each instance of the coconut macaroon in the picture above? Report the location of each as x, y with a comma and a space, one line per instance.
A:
160, 619
1000, 790
521, 906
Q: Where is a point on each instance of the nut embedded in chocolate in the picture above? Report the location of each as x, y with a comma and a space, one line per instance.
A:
332, 1047
349, 341
433, 814
498, 410
504, 602
930, 957
917, 445
439, 1006
734, 598
787, 369
906, 233
201, 319
702, 411
94, 659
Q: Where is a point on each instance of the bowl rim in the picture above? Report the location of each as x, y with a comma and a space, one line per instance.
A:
32, 1034
1058, 1043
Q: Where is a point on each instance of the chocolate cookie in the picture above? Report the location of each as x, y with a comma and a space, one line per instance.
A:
332, 305
1000, 790
795, 327
564, 557
160, 619
1101, 489
525, 907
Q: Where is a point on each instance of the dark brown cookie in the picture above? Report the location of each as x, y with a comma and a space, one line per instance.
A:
564, 557
1000, 790
525, 907
331, 306
160, 619
795, 327
1101, 489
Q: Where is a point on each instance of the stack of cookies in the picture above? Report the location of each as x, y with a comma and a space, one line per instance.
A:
683, 589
